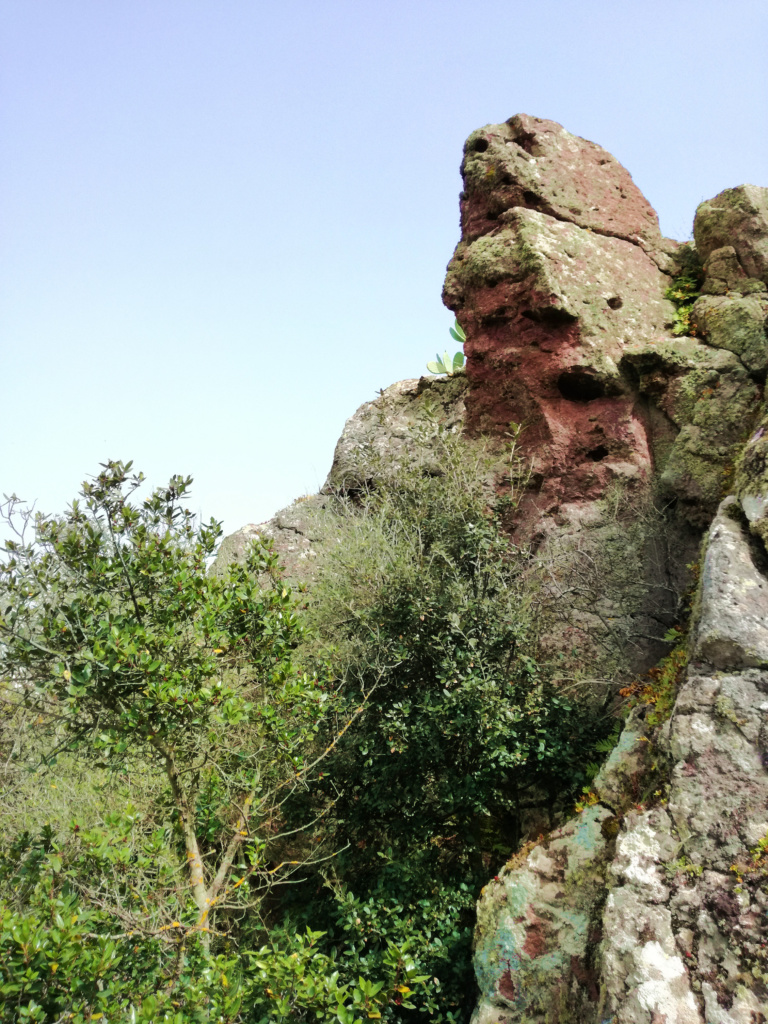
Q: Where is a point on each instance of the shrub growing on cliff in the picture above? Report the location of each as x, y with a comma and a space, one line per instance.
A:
422, 612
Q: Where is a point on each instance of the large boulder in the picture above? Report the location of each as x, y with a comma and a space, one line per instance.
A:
737, 217
555, 276
738, 324
381, 433
529, 162
378, 436
560, 281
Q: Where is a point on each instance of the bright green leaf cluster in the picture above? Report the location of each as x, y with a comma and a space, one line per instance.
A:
446, 364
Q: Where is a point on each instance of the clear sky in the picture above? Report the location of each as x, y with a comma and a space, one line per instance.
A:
224, 224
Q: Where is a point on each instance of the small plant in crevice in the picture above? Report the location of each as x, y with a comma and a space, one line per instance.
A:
446, 364
658, 687
683, 292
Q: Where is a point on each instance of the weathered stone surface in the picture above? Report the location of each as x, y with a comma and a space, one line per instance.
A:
719, 788
645, 977
549, 309
683, 927
297, 533
552, 281
733, 629
724, 274
736, 217
752, 480
557, 284
735, 324
533, 163
535, 924
376, 437
716, 404
380, 433
622, 778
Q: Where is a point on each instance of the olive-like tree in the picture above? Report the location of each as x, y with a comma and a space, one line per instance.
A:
128, 650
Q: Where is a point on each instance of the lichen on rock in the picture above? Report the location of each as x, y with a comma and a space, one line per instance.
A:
736, 217
643, 430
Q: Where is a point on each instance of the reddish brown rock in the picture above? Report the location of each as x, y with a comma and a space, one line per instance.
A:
536, 164
555, 278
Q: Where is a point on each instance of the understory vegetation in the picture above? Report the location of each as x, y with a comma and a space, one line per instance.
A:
228, 801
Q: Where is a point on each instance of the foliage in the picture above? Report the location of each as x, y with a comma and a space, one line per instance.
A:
684, 291
658, 687
444, 363
422, 613
58, 961
118, 647
260, 811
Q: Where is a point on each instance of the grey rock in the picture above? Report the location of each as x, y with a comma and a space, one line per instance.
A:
680, 927
733, 626
737, 217
534, 923
620, 778
724, 274
380, 433
735, 324
376, 438
299, 534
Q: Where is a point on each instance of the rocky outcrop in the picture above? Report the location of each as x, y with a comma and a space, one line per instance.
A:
736, 218
638, 419
559, 282
379, 435
556, 276
656, 910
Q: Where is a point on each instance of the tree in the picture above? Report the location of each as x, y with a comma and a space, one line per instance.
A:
127, 651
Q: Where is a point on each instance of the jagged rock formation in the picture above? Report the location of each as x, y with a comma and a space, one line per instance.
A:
650, 905
559, 282
656, 912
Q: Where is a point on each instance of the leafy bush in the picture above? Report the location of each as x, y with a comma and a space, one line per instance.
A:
276, 819
423, 614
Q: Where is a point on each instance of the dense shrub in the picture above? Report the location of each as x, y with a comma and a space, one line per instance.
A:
424, 615
344, 784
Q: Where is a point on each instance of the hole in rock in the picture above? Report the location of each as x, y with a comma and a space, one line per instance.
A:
551, 316
480, 145
579, 385
615, 302
598, 454
530, 197
526, 141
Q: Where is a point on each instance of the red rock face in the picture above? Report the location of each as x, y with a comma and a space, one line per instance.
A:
533, 163
557, 275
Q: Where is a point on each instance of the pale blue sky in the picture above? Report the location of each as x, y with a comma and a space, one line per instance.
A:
224, 225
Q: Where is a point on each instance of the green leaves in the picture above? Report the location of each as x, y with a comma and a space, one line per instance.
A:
683, 292
117, 619
445, 363
457, 333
